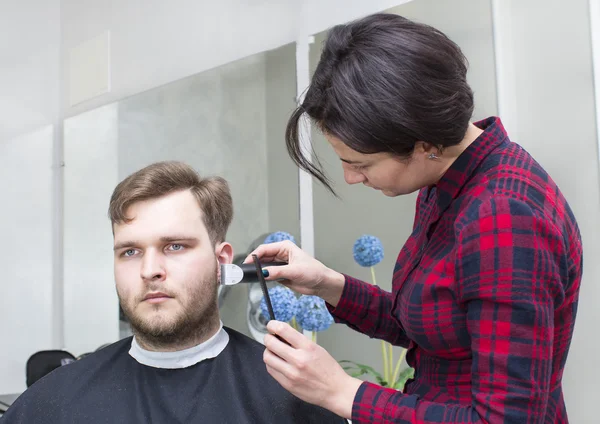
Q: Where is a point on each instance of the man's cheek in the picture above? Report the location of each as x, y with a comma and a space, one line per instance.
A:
125, 284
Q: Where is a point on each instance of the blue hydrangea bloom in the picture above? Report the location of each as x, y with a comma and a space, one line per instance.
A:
312, 314
368, 251
279, 236
284, 301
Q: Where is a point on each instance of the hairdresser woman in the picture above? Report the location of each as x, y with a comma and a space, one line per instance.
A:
484, 292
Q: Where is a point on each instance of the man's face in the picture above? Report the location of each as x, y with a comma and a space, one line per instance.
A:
166, 269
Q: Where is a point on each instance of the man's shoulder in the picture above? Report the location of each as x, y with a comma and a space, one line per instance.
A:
247, 356
55, 389
89, 362
241, 339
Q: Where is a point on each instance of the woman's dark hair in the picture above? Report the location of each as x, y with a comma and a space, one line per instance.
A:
382, 84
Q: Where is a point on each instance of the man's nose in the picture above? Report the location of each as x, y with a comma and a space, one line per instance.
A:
152, 266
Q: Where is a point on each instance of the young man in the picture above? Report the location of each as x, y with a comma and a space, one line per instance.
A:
181, 365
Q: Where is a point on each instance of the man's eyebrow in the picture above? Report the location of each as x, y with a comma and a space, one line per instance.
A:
124, 244
170, 239
166, 239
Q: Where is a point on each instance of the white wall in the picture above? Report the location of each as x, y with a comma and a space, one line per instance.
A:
29, 92
29, 73
154, 42
318, 15
25, 253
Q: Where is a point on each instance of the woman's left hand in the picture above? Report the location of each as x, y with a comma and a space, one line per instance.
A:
307, 371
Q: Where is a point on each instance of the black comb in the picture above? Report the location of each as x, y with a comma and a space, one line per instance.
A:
263, 286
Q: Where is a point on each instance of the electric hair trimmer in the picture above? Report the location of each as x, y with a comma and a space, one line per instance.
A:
232, 274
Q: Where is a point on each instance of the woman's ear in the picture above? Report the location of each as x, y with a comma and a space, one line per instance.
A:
424, 147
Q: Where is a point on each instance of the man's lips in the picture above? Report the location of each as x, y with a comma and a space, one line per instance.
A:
156, 297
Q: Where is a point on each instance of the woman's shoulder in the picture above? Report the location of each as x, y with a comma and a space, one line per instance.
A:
511, 175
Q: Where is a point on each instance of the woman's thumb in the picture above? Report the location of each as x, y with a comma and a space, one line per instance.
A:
276, 272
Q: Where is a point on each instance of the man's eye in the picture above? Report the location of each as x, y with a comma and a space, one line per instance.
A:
176, 247
129, 252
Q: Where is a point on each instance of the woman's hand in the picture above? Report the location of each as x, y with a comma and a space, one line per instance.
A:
307, 371
303, 274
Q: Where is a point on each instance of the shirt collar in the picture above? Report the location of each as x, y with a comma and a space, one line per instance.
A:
463, 167
182, 358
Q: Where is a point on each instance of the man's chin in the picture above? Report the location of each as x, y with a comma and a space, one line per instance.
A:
155, 325
149, 317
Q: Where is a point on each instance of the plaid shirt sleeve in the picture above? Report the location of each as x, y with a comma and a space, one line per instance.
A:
509, 262
367, 308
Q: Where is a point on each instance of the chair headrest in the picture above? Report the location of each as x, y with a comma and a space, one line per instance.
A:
44, 362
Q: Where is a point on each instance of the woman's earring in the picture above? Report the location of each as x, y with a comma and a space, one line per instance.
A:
433, 156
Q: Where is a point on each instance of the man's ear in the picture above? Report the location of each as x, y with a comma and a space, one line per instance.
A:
224, 255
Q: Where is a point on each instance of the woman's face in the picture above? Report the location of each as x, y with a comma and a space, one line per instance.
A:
387, 173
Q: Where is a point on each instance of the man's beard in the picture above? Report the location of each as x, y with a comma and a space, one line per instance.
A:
193, 322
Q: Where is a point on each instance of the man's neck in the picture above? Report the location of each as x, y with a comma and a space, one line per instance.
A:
181, 356
198, 337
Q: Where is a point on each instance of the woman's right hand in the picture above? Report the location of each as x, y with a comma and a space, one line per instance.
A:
303, 273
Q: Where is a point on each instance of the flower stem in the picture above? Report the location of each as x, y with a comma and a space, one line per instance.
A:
397, 370
386, 377
386, 365
314, 336
373, 276
391, 362
294, 324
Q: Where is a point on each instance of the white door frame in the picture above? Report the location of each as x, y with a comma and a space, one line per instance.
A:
307, 230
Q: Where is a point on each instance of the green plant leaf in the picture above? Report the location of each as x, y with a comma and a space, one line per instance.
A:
404, 375
381, 382
355, 369
367, 369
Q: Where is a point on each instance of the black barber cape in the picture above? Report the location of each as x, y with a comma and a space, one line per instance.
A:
110, 386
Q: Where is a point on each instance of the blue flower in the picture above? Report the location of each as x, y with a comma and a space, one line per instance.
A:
312, 314
279, 236
284, 301
368, 251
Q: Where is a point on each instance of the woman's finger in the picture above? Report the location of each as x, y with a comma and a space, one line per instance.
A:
281, 379
278, 364
271, 252
280, 272
291, 336
280, 348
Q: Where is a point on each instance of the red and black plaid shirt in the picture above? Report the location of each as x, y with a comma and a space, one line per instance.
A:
484, 295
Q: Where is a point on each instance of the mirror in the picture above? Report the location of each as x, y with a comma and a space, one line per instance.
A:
340, 222
227, 121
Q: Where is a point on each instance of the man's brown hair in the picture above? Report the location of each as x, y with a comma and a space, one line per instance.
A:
163, 178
